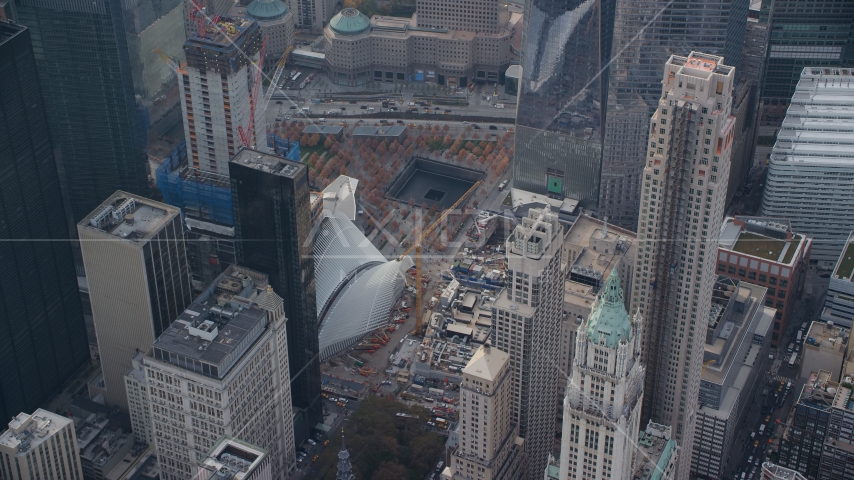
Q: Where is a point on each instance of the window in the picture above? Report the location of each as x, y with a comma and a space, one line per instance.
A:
773, 281
751, 275
721, 267
763, 278
784, 283
741, 272
731, 270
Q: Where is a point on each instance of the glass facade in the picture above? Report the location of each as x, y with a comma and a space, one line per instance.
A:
273, 228
103, 85
42, 334
650, 32
562, 98
591, 81
806, 33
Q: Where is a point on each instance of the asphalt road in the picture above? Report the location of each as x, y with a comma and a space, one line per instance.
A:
306, 469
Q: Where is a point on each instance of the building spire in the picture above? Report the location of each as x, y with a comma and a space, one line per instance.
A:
345, 470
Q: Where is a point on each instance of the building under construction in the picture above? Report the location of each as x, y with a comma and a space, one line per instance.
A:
220, 89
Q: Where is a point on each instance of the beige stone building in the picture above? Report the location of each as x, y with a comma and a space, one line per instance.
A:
440, 45
489, 447
40, 446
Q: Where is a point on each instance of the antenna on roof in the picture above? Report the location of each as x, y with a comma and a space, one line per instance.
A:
605, 228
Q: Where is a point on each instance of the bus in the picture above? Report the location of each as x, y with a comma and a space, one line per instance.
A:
793, 359
296, 77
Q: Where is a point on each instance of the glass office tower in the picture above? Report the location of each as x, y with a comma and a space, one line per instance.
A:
806, 33
650, 32
591, 81
103, 86
42, 334
273, 226
566, 46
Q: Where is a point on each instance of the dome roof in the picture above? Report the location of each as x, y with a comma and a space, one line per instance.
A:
267, 9
350, 22
609, 319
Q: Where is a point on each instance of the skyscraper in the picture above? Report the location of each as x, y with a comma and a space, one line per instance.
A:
684, 191
216, 89
273, 228
42, 334
563, 97
589, 89
223, 365
136, 266
526, 321
650, 32
488, 443
601, 418
805, 33
103, 86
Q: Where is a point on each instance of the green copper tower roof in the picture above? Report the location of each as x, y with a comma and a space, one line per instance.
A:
610, 318
267, 9
350, 22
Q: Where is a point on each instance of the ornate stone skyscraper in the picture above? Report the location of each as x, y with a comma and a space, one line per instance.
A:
684, 194
345, 471
603, 396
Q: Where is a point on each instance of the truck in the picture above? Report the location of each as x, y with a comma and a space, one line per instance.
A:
791, 348
800, 336
793, 359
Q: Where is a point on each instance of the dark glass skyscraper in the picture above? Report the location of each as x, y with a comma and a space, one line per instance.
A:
42, 334
563, 97
591, 81
805, 33
273, 226
103, 86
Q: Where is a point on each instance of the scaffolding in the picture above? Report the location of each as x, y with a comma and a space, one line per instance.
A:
283, 146
199, 195
672, 240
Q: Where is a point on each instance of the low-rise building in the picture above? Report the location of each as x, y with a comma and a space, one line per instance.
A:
222, 369
103, 446
657, 454
806, 426
324, 131
231, 458
359, 50
839, 302
42, 435
824, 348
771, 471
735, 358
390, 133
765, 251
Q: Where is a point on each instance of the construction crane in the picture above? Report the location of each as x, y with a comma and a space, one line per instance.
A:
416, 245
253, 100
198, 15
169, 61
280, 67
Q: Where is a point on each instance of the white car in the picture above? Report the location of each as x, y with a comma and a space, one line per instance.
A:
311, 442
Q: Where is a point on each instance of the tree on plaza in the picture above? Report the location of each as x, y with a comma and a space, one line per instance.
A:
411, 202
475, 136
329, 141
314, 159
381, 149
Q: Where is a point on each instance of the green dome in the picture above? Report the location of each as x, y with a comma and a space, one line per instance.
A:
609, 318
267, 9
350, 22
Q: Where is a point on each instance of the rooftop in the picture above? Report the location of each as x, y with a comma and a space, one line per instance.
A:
9, 30
486, 363
233, 459
609, 322
700, 65
267, 9
211, 335
128, 216
771, 471
845, 264
266, 162
767, 238
27, 432
323, 129
350, 22
597, 248
820, 119
827, 337
656, 454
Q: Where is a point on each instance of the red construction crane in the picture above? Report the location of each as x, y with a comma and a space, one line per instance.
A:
198, 15
253, 100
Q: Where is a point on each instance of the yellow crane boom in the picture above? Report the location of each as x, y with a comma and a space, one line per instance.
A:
416, 245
